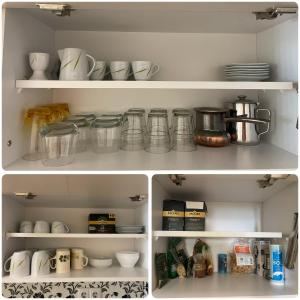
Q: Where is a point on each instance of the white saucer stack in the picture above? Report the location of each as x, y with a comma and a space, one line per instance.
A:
247, 72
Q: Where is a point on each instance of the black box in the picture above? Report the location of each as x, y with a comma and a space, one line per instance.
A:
102, 223
194, 216
173, 215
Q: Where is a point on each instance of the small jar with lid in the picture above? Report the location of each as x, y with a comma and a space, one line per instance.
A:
83, 132
59, 143
106, 134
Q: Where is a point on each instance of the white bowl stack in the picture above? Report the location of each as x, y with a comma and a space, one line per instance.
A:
247, 71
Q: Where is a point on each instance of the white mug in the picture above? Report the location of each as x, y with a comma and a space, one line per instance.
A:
59, 227
78, 259
99, 71
19, 264
144, 70
74, 64
61, 261
41, 227
120, 70
26, 227
40, 263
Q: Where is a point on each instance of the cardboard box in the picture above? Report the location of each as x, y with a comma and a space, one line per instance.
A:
102, 223
194, 216
173, 215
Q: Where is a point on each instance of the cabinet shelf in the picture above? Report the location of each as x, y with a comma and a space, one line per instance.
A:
76, 235
88, 274
217, 234
189, 85
232, 157
227, 285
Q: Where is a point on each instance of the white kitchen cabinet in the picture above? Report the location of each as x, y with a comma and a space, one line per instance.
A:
237, 208
71, 198
192, 42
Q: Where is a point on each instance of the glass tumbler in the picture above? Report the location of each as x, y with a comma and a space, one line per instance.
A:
158, 139
90, 117
183, 132
106, 134
59, 143
143, 112
133, 132
83, 132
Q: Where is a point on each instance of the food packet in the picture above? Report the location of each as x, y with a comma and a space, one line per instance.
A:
161, 268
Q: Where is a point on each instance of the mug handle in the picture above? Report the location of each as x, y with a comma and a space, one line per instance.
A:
154, 70
85, 260
94, 64
67, 228
53, 265
5, 265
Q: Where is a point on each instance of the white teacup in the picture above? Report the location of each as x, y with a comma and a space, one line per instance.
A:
40, 263
120, 70
19, 264
144, 70
26, 227
78, 259
39, 63
99, 71
61, 261
41, 227
59, 227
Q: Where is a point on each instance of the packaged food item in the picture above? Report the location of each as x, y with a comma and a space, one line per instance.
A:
173, 215
266, 271
161, 268
222, 263
202, 260
260, 249
276, 264
194, 216
242, 260
172, 266
176, 248
102, 223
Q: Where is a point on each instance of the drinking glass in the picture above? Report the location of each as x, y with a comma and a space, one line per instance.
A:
133, 131
106, 134
158, 138
183, 131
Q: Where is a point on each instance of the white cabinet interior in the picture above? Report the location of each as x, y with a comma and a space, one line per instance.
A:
191, 51
237, 208
71, 198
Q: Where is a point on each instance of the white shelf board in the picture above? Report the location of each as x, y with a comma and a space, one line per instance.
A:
88, 274
217, 234
190, 85
232, 157
76, 235
227, 285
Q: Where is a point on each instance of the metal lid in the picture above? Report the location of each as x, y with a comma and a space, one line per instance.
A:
106, 122
210, 110
78, 121
242, 99
58, 129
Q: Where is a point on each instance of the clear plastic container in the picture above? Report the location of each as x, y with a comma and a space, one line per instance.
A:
59, 142
106, 134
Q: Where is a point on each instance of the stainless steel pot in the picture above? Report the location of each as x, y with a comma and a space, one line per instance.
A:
248, 129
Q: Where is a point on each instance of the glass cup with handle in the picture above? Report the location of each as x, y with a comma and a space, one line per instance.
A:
144, 70
183, 131
158, 139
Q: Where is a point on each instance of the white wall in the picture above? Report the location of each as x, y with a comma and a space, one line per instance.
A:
19, 41
279, 47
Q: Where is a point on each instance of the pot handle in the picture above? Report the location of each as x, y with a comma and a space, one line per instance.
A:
268, 124
247, 120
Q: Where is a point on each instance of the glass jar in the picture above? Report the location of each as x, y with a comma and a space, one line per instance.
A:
59, 142
83, 132
90, 117
106, 134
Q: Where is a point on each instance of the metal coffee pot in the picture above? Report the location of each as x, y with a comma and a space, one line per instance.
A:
247, 128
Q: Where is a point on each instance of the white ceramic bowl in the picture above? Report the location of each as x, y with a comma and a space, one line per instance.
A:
127, 259
102, 262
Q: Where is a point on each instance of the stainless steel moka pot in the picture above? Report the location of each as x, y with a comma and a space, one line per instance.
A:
247, 129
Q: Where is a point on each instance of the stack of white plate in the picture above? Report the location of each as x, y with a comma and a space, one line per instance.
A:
247, 72
130, 228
